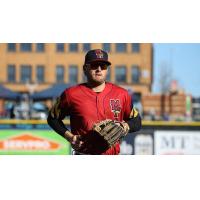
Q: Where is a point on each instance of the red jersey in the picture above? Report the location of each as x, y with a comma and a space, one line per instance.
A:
86, 107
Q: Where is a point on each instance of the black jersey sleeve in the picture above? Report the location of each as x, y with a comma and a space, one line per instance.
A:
57, 125
57, 113
135, 121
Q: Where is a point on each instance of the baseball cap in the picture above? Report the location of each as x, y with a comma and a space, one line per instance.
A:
96, 55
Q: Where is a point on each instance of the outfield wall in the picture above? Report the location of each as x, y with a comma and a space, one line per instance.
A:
164, 138
34, 137
30, 137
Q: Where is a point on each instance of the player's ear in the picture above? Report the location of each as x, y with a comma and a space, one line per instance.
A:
84, 68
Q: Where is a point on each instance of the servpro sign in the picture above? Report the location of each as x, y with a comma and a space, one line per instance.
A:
27, 142
32, 142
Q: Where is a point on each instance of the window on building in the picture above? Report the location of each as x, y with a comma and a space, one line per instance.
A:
11, 47
121, 47
60, 47
40, 73
73, 73
40, 47
86, 46
108, 76
120, 74
136, 47
135, 74
11, 73
25, 73
60, 73
106, 47
26, 47
73, 47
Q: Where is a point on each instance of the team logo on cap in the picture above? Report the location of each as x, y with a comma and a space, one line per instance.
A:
99, 53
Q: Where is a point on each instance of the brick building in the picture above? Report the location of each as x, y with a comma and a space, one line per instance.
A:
160, 106
33, 67
36, 66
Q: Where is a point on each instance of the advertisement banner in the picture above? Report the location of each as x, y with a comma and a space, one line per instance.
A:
138, 143
32, 142
177, 142
143, 144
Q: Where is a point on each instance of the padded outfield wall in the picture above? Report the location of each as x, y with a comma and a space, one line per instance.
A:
34, 137
164, 138
30, 137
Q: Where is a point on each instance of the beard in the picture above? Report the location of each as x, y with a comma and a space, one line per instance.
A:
95, 81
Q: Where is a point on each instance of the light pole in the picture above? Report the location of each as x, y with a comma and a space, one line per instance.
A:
31, 89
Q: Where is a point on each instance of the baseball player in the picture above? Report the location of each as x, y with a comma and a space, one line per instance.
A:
101, 113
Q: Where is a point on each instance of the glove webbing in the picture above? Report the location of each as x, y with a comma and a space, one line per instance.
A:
112, 132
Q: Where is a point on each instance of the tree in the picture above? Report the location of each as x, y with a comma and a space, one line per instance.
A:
165, 78
164, 83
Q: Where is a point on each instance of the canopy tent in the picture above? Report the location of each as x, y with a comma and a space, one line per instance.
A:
8, 94
51, 93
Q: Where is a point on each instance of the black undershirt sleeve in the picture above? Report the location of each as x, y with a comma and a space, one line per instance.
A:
134, 123
57, 125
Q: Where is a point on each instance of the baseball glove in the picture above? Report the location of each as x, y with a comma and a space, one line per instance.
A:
103, 136
111, 131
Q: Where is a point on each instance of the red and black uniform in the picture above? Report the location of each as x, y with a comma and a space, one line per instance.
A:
86, 107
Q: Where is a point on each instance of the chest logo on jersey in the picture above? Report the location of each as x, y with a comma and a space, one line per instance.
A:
115, 107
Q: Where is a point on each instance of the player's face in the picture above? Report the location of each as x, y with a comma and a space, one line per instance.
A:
96, 72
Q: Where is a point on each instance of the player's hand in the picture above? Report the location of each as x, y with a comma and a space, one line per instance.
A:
76, 142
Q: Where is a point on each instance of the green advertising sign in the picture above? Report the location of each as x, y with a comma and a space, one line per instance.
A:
188, 105
32, 142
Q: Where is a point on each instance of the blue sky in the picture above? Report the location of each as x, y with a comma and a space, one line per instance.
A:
184, 60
